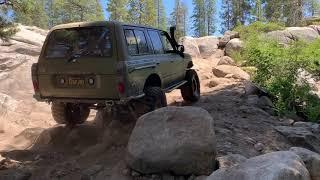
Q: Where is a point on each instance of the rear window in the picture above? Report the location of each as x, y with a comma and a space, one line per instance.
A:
80, 42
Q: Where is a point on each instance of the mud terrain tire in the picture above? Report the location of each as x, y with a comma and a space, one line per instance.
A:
66, 113
191, 90
156, 97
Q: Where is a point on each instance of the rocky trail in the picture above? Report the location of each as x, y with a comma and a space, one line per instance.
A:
32, 147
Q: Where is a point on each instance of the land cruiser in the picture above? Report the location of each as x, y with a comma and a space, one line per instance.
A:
94, 65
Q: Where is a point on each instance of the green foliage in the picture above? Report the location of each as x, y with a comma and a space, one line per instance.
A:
199, 18
66, 11
142, 12
257, 28
161, 15
278, 68
7, 28
178, 18
118, 10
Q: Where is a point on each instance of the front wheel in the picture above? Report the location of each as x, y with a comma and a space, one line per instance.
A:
191, 90
69, 113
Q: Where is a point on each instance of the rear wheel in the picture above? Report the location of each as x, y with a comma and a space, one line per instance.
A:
69, 113
191, 90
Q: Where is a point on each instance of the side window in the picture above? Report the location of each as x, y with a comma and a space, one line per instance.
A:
142, 42
156, 42
166, 43
131, 42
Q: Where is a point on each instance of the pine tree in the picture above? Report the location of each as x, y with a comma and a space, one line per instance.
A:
66, 11
258, 10
226, 16
136, 10
161, 15
178, 18
240, 12
28, 12
313, 7
210, 9
274, 10
118, 10
150, 15
199, 18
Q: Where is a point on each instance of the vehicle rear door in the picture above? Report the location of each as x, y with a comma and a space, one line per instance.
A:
79, 62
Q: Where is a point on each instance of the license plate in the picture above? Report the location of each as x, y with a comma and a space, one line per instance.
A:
76, 82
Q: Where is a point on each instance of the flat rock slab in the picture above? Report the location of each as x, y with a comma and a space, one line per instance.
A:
300, 136
282, 165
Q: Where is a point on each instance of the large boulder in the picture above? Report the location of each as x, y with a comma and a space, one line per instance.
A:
228, 35
207, 45
236, 72
291, 34
230, 160
233, 46
180, 140
283, 37
273, 166
191, 46
226, 60
28, 36
306, 34
300, 136
311, 160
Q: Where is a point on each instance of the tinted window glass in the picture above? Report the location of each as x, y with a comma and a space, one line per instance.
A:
156, 42
166, 43
142, 42
131, 42
64, 43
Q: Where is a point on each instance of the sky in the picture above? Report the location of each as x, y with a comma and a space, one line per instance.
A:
169, 5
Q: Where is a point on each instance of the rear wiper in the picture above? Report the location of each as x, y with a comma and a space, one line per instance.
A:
75, 55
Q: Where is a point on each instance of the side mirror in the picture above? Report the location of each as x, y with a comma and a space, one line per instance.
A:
181, 48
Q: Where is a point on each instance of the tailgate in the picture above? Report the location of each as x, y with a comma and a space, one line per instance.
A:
80, 63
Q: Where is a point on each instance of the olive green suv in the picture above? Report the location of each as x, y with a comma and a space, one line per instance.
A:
95, 65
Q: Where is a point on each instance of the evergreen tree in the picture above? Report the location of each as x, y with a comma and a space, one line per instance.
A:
118, 10
274, 10
210, 9
161, 15
66, 11
150, 14
312, 7
240, 12
199, 18
178, 18
226, 16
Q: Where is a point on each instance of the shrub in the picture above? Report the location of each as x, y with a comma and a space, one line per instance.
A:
278, 67
257, 28
7, 28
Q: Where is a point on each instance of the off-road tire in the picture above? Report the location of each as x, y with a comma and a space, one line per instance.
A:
191, 90
62, 114
158, 96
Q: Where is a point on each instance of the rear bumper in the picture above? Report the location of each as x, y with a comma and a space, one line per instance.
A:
87, 101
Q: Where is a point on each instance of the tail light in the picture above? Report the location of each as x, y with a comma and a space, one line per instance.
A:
34, 69
35, 85
121, 88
